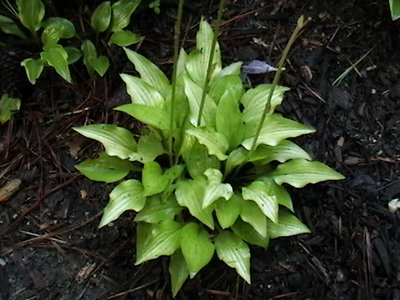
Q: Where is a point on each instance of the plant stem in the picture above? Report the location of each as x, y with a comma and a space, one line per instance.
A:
210, 61
174, 71
277, 77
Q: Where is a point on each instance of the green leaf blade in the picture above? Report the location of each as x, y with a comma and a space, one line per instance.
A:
288, 225
101, 17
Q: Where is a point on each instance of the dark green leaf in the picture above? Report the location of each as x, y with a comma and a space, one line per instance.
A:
57, 57
247, 233
8, 26
178, 271
8, 106
101, 17
74, 54
121, 13
67, 28
33, 68
99, 64
31, 13
125, 38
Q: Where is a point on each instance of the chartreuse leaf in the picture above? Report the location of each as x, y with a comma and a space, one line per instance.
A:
8, 26
300, 172
101, 17
234, 252
254, 101
148, 148
99, 64
105, 168
193, 93
196, 247
275, 129
227, 211
152, 178
67, 28
117, 141
215, 189
155, 240
197, 61
215, 142
260, 193
158, 209
178, 271
288, 225
8, 106
149, 72
142, 92
394, 9
230, 127
151, 115
51, 35
33, 68
250, 213
57, 57
31, 13
190, 194
235, 158
128, 195
124, 38
232, 69
247, 233
231, 83
279, 191
121, 13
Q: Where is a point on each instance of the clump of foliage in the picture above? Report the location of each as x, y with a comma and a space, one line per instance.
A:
207, 174
108, 19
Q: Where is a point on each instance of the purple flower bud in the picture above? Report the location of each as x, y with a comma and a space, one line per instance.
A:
258, 67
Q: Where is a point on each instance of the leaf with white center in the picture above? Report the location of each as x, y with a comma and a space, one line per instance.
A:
178, 271
128, 195
254, 101
155, 240
152, 178
260, 193
252, 214
300, 172
279, 191
287, 225
190, 194
234, 252
142, 92
228, 119
247, 233
215, 142
193, 93
275, 129
215, 189
105, 168
151, 115
149, 72
196, 157
117, 141
227, 211
158, 209
149, 147
196, 247
282, 152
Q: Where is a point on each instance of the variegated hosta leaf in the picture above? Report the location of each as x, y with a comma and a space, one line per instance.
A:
252, 214
231, 83
190, 194
193, 93
117, 141
105, 168
152, 178
282, 152
227, 211
196, 247
260, 193
287, 225
155, 240
142, 92
158, 209
178, 271
300, 172
149, 147
215, 189
234, 252
215, 142
128, 195
254, 101
247, 233
149, 72
232, 69
275, 129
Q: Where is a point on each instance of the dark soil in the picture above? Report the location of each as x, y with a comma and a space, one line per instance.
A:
51, 247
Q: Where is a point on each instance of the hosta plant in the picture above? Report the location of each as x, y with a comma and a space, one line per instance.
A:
205, 177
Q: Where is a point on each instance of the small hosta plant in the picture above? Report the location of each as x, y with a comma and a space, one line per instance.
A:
108, 18
209, 182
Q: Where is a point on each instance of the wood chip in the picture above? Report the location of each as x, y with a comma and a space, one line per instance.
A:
9, 189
